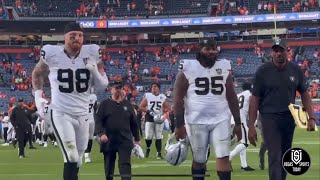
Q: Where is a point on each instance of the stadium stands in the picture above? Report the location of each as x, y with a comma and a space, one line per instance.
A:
129, 8
117, 65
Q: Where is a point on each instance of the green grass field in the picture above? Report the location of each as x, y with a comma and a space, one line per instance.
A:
46, 164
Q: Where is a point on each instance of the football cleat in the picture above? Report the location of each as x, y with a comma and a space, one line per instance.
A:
87, 158
248, 168
176, 152
147, 152
159, 156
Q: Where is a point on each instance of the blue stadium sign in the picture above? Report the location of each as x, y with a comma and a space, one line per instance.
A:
204, 20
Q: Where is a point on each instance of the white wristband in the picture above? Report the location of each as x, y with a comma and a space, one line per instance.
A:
38, 94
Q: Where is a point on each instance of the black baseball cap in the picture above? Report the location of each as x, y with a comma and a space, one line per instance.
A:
116, 84
208, 42
279, 42
20, 100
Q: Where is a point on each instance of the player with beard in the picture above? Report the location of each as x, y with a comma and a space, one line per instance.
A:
274, 88
204, 95
72, 69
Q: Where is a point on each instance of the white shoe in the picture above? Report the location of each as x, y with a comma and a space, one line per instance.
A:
87, 158
55, 144
45, 144
5, 144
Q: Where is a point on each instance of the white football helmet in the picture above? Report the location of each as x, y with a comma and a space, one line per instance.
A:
137, 151
176, 152
158, 118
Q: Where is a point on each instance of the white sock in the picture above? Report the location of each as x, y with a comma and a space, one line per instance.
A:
237, 150
243, 158
86, 155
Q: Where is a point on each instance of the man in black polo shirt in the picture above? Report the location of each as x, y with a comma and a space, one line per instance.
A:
275, 87
21, 121
117, 127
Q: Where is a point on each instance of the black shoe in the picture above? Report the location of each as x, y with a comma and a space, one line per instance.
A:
248, 168
159, 156
147, 153
261, 165
32, 147
14, 143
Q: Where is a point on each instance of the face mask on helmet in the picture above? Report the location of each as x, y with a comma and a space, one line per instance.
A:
176, 152
158, 118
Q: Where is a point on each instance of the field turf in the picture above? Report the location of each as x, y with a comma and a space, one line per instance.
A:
46, 163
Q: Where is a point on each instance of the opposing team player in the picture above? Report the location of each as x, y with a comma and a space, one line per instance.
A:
204, 95
244, 99
72, 69
154, 104
92, 110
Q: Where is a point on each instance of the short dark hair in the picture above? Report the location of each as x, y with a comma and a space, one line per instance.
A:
246, 86
157, 84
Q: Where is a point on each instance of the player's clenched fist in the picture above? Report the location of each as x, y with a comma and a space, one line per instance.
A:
90, 66
252, 135
237, 131
104, 138
180, 132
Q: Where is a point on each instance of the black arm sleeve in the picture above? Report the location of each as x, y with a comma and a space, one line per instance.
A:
134, 125
100, 118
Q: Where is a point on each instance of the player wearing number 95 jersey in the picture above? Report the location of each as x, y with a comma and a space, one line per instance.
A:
72, 69
204, 95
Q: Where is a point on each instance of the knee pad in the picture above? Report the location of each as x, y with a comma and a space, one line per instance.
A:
72, 152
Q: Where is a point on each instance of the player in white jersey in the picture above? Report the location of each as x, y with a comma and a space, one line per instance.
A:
154, 104
244, 99
72, 69
203, 97
47, 126
92, 109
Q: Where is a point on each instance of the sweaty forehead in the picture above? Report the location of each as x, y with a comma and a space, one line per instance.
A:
74, 33
208, 48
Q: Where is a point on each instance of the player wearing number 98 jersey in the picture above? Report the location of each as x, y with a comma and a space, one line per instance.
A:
203, 97
72, 69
